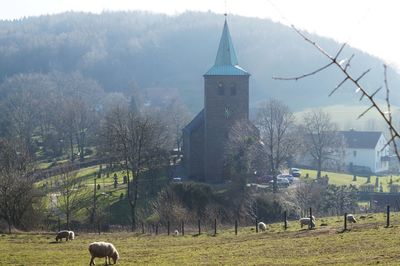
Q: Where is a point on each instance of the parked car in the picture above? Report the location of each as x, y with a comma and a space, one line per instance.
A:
289, 177
264, 179
281, 182
295, 172
177, 180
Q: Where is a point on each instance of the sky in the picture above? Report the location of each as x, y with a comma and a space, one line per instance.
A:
369, 25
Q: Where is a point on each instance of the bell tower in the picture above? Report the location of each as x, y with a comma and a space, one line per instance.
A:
226, 101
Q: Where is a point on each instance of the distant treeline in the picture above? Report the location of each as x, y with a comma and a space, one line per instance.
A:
119, 49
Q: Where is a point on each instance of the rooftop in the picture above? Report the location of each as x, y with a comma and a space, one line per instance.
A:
226, 63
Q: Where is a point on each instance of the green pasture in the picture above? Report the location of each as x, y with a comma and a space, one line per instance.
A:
365, 243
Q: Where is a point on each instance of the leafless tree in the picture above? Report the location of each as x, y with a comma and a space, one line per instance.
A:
73, 195
277, 131
139, 141
322, 140
343, 65
242, 152
176, 117
16, 185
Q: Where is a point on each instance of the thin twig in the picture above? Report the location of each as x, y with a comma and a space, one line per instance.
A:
333, 61
305, 75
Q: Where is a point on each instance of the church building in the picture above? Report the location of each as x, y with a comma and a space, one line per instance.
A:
226, 101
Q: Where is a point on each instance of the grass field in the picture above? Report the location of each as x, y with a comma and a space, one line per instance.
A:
367, 243
346, 179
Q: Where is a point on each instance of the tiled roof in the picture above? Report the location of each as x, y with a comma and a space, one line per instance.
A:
226, 62
361, 139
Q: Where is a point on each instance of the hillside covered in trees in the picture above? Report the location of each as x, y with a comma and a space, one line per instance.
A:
169, 54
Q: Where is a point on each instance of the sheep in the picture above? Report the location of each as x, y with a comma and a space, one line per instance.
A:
176, 232
103, 250
306, 221
71, 235
63, 234
262, 226
351, 218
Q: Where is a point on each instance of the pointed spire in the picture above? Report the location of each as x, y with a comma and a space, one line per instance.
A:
226, 62
226, 53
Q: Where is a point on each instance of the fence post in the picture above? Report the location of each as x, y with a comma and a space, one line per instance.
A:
256, 225
387, 216
156, 229
142, 228
198, 223
168, 227
345, 221
215, 227
310, 225
183, 228
285, 219
59, 224
236, 227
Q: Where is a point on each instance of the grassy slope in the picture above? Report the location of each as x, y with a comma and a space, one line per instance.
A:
346, 179
368, 242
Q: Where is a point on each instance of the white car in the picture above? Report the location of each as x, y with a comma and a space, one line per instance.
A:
295, 172
281, 182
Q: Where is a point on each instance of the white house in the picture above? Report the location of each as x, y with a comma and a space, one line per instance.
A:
364, 149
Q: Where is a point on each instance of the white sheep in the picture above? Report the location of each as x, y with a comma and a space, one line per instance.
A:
262, 226
306, 221
351, 218
103, 250
68, 235
176, 232
71, 235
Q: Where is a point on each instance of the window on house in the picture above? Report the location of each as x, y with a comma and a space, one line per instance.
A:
354, 153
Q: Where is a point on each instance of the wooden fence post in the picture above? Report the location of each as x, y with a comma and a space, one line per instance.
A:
345, 221
59, 224
285, 219
168, 227
156, 229
256, 225
142, 228
387, 216
183, 228
236, 227
310, 225
215, 227
198, 223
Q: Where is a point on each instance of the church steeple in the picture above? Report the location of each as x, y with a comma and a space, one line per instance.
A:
226, 62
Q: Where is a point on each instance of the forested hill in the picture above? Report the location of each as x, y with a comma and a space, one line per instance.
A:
119, 49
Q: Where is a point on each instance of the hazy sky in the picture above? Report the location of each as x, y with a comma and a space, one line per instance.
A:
371, 25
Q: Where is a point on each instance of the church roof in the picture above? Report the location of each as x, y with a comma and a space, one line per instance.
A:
195, 123
226, 63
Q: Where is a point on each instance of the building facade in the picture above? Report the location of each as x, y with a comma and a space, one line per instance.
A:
226, 101
366, 149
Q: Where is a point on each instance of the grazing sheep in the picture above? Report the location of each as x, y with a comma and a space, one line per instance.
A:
306, 221
65, 234
103, 250
176, 232
351, 218
262, 226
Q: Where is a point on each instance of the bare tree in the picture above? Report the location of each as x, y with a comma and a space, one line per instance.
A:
177, 116
276, 125
73, 197
321, 140
16, 185
138, 141
343, 65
